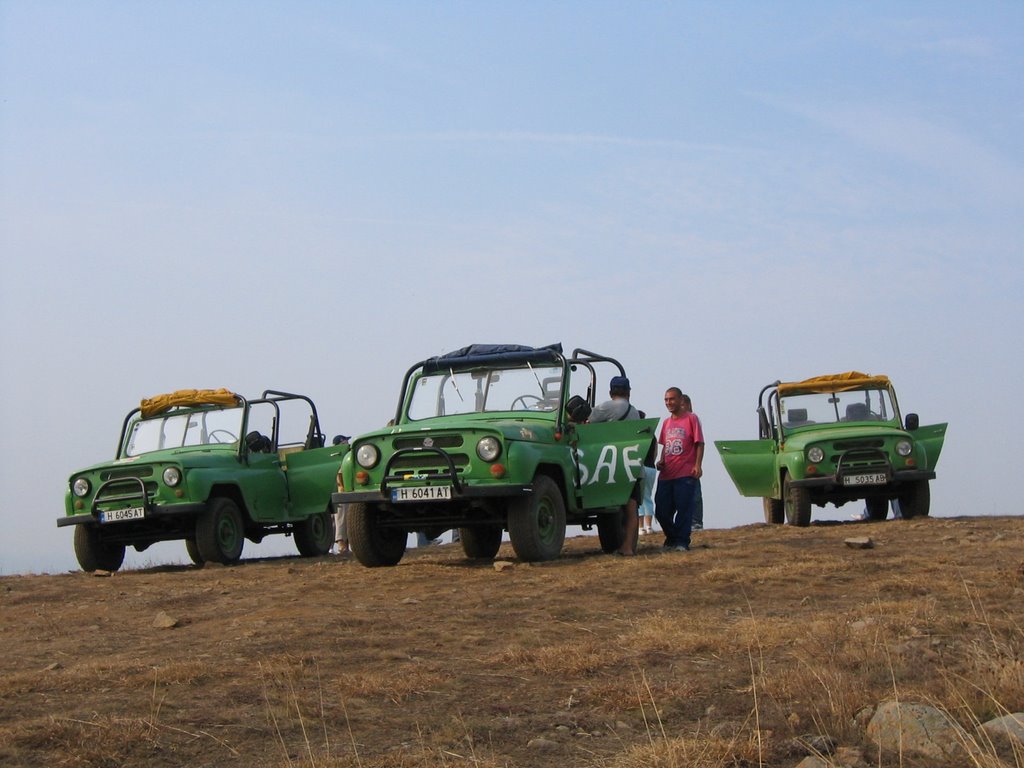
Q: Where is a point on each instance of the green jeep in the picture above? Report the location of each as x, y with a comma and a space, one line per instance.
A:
492, 438
211, 468
834, 439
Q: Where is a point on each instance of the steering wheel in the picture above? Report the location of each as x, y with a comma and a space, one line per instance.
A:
211, 438
527, 401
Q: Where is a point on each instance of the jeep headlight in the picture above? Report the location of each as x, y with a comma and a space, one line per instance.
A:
80, 487
815, 454
172, 476
904, 447
488, 448
367, 456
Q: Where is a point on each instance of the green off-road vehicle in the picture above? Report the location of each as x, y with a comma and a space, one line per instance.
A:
834, 439
213, 469
491, 438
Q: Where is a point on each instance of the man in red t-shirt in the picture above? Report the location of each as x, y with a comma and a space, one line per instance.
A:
679, 470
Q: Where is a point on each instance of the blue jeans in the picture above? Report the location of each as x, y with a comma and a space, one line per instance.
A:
647, 507
673, 506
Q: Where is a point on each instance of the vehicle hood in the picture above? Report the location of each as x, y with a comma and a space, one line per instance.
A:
194, 456
803, 438
528, 428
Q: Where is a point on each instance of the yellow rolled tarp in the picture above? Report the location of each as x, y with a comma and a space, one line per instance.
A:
158, 404
836, 382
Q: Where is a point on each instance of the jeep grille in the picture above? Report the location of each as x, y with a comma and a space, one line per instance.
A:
437, 441
864, 460
428, 462
128, 489
113, 474
847, 445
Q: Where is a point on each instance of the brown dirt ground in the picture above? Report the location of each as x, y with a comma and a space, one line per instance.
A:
727, 655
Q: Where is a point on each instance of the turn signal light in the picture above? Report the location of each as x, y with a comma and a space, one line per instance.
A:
497, 470
362, 477
811, 469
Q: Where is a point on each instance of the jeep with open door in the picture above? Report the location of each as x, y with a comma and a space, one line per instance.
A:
834, 439
212, 469
493, 438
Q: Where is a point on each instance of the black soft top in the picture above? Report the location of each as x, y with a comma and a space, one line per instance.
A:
492, 354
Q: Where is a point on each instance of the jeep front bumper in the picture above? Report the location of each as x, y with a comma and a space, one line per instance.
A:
835, 482
152, 511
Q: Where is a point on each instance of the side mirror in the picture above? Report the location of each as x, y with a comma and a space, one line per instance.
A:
912, 422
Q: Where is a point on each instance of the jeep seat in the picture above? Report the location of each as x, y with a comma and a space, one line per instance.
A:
797, 418
257, 442
857, 412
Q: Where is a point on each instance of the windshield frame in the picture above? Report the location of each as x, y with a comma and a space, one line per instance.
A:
771, 411
182, 428
520, 388
810, 409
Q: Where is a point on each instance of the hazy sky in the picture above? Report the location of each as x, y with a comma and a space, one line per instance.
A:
312, 196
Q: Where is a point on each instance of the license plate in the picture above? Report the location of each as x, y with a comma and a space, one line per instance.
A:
873, 478
422, 493
117, 515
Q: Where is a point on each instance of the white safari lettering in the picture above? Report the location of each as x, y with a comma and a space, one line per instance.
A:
608, 461
632, 461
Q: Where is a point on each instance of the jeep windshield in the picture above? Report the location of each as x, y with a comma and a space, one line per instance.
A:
801, 410
517, 388
220, 426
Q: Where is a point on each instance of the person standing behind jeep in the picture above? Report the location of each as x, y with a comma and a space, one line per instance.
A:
618, 408
679, 470
698, 497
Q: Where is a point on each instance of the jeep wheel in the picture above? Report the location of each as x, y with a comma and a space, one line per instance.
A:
481, 541
96, 555
373, 545
774, 511
536, 522
611, 530
916, 500
193, 553
314, 536
878, 509
219, 533
798, 504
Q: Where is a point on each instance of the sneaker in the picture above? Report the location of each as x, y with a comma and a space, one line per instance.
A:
680, 548
697, 527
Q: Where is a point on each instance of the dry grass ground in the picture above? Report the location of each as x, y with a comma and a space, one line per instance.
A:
725, 656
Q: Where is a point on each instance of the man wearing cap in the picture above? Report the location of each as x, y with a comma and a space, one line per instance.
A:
618, 408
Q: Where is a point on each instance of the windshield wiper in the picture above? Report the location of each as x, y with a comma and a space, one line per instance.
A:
455, 384
541, 386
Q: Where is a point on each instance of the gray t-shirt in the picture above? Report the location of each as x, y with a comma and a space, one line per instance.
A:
613, 410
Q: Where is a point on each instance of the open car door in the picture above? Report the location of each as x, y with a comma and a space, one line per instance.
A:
609, 458
751, 465
931, 439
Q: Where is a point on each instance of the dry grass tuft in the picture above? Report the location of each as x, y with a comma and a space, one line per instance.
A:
565, 659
